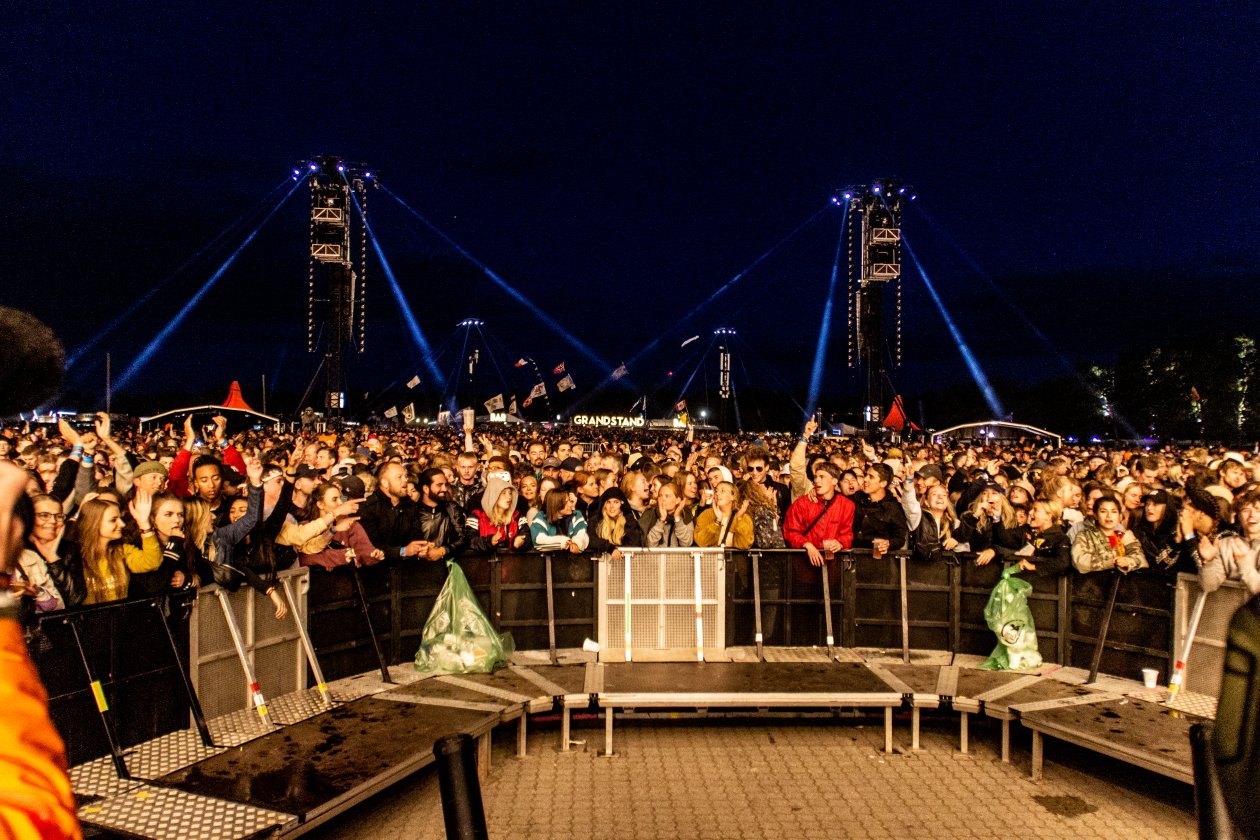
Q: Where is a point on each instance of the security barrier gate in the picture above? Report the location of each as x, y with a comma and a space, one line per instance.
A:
676, 608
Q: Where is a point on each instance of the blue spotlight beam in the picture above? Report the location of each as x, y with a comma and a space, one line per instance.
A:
512, 292
1041, 336
146, 355
824, 327
126, 314
409, 317
973, 364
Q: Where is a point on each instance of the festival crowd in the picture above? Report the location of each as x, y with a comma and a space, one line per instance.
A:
134, 514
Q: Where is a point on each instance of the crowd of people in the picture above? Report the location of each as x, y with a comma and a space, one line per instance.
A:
139, 513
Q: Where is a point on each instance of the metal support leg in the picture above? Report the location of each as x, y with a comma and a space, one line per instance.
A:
1006, 742
483, 756
963, 733
305, 637
367, 617
914, 728
699, 608
826, 582
756, 579
521, 736
260, 702
1103, 628
565, 728
194, 704
551, 612
905, 612
888, 730
1038, 756
608, 729
102, 707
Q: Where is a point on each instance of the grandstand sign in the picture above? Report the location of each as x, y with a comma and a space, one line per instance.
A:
609, 421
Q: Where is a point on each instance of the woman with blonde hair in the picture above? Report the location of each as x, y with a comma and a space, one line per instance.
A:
725, 524
108, 562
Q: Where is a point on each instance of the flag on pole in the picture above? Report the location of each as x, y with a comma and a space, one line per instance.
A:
528, 400
620, 371
565, 384
521, 363
558, 369
539, 390
409, 412
391, 412
495, 403
681, 405
512, 407
413, 381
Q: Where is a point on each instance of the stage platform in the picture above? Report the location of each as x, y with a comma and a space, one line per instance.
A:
318, 757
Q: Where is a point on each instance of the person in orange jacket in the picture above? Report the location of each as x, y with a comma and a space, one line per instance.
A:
35, 798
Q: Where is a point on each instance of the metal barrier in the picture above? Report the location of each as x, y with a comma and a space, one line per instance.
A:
1205, 664
662, 604
239, 650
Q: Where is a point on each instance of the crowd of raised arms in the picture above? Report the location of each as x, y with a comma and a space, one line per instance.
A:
125, 515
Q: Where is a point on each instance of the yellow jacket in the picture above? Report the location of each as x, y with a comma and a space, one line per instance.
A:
104, 585
35, 798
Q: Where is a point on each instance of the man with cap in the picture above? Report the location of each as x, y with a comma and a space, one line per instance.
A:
149, 476
550, 468
568, 468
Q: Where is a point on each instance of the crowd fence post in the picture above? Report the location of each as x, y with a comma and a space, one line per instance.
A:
162, 605
102, 705
1104, 628
367, 618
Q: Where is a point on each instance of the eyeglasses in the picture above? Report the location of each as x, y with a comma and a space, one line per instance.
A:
42, 515
757, 469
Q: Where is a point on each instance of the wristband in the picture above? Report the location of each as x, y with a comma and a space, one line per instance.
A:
77, 449
803, 440
223, 444
87, 461
402, 552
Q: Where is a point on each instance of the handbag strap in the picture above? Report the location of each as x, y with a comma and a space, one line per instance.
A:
819, 517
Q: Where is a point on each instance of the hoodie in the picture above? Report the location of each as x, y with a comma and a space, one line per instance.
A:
481, 530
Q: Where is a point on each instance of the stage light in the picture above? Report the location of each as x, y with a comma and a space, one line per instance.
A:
314, 166
367, 174
341, 167
848, 196
297, 172
901, 191
835, 200
913, 196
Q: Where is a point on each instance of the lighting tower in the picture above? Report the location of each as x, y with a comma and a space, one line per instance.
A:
474, 357
726, 390
874, 257
335, 291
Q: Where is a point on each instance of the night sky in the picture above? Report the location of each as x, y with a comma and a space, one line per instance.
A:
617, 163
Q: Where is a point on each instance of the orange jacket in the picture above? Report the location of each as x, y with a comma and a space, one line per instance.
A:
35, 798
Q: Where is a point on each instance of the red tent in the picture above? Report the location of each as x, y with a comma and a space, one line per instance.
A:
896, 416
234, 398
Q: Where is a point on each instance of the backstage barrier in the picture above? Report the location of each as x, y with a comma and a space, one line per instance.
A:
1208, 633
116, 673
120, 656
246, 629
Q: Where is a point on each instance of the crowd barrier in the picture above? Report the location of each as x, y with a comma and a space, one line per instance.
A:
363, 619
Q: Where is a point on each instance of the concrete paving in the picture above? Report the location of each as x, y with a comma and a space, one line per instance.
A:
776, 779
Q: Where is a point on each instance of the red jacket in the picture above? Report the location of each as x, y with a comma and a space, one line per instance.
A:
835, 524
179, 481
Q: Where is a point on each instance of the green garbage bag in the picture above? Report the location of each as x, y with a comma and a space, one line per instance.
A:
458, 638
1008, 615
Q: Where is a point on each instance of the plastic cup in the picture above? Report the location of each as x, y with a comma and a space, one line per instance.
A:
1150, 677
590, 646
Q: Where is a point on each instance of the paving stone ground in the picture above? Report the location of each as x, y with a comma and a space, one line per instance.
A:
772, 779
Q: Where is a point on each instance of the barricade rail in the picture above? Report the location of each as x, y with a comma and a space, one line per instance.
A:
362, 619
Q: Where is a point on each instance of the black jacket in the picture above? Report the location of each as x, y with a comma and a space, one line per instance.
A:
442, 525
1052, 553
882, 520
388, 526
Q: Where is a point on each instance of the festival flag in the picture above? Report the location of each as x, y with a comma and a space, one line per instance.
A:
391, 412
565, 384
512, 407
413, 381
681, 405
620, 371
495, 403
528, 400
539, 390
558, 369
521, 363
1194, 394
409, 412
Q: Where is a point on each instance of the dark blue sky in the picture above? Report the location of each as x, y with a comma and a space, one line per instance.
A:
619, 162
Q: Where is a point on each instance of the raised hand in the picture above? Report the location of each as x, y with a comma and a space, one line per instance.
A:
220, 428
67, 432
141, 506
102, 425
254, 470
811, 426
